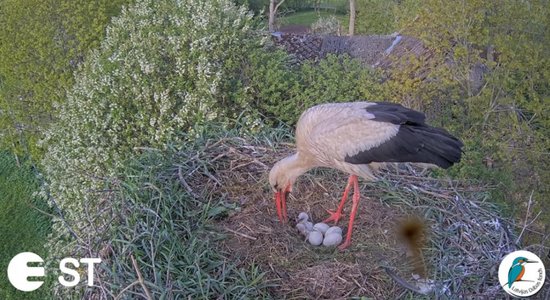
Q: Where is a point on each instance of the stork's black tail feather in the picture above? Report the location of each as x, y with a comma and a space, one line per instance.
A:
431, 145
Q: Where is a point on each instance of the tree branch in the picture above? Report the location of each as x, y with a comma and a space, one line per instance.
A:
278, 4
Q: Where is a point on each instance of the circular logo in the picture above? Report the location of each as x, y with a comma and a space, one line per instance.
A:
521, 273
19, 271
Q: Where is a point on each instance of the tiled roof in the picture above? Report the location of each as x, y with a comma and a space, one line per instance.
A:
373, 50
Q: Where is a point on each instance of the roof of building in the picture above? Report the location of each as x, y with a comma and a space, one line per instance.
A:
373, 50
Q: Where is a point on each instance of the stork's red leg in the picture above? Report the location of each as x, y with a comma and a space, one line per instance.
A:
278, 205
283, 205
355, 200
335, 216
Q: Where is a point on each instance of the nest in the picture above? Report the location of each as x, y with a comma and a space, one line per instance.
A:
464, 241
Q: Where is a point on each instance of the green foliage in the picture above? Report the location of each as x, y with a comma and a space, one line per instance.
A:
386, 16
24, 223
376, 16
503, 118
284, 93
41, 45
504, 121
335, 6
257, 6
333, 79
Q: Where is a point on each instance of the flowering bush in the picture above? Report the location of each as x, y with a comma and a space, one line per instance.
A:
165, 67
327, 25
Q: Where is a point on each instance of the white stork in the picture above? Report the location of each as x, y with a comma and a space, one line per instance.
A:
353, 137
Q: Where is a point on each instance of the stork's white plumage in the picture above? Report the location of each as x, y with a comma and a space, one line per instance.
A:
353, 137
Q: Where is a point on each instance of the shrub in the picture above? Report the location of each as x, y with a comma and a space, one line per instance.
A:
164, 67
376, 16
504, 122
283, 94
326, 25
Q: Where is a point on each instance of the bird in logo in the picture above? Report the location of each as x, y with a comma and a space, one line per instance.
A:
517, 270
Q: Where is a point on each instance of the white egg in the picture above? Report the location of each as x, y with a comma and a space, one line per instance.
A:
332, 239
315, 238
302, 228
309, 225
302, 217
322, 227
334, 229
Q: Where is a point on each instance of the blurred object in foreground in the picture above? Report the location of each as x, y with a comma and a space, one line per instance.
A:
412, 234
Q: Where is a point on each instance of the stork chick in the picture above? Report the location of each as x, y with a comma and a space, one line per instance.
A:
353, 137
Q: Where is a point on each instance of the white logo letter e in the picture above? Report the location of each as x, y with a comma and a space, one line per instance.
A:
19, 271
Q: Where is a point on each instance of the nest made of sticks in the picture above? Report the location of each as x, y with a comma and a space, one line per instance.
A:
466, 238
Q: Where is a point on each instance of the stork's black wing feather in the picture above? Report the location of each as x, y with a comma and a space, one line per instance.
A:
414, 142
395, 113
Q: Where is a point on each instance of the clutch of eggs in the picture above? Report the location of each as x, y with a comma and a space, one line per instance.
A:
320, 233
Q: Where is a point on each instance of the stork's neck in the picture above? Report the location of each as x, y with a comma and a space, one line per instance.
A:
295, 165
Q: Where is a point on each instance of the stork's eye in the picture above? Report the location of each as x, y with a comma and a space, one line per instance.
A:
276, 186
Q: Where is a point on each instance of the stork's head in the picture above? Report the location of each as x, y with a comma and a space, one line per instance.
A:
281, 179
281, 184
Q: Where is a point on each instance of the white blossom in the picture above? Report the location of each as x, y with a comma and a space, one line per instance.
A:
160, 68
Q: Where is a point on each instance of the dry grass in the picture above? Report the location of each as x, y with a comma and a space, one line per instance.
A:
466, 237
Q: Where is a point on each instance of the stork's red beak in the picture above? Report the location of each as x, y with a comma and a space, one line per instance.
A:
280, 202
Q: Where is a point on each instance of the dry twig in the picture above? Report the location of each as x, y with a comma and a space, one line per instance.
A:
140, 278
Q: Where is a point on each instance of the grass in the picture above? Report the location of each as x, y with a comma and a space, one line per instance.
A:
156, 237
22, 226
306, 18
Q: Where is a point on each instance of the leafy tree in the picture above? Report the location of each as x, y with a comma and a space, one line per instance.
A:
376, 16
352, 15
273, 7
504, 121
281, 93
